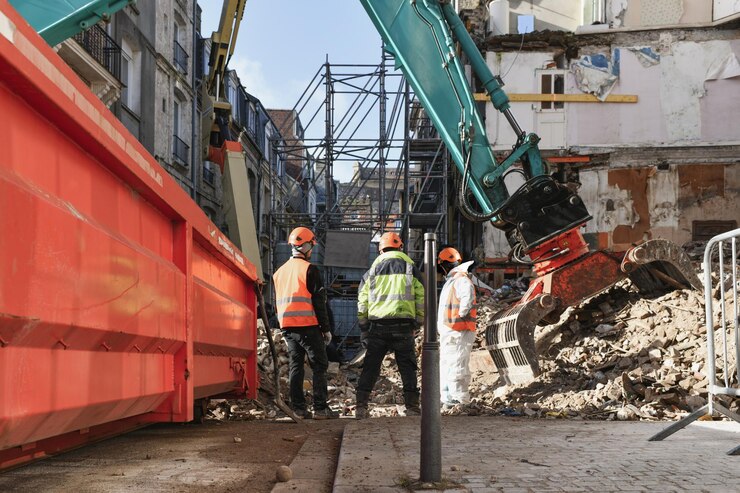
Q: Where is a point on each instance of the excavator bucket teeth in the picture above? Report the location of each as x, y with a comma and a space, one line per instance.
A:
660, 264
510, 339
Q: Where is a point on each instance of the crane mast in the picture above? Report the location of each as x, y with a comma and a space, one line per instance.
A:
223, 43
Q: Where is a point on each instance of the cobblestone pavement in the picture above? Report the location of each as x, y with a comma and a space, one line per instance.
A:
498, 454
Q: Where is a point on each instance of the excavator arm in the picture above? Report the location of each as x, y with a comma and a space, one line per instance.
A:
426, 38
223, 42
60, 20
541, 218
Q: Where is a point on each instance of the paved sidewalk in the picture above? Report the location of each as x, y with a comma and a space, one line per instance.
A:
498, 454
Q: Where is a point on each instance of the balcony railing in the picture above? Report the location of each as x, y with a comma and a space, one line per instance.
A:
181, 151
102, 48
208, 175
181, 58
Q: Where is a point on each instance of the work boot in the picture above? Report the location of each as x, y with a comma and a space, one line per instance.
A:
411, 399
327, 413
361, 411
303, 413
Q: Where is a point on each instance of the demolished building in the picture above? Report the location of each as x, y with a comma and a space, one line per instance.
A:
637, 109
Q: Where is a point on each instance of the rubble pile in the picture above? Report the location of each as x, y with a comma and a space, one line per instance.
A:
619, 356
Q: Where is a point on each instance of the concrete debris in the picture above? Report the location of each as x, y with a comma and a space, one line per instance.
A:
625, 357
283, 474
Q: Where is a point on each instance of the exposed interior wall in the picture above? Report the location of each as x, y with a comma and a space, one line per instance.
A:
686, 90
686, 96
555, 15
645, 13
725, 8
520, 77
630, 205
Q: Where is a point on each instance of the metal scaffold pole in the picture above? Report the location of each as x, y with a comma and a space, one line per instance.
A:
328, 145
381, 144
406, 202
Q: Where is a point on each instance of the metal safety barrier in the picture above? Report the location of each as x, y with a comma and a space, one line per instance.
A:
726, 287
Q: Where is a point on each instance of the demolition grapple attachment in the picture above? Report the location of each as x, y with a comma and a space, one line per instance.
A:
566, 278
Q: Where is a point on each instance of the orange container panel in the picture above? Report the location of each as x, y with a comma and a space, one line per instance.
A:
120, 302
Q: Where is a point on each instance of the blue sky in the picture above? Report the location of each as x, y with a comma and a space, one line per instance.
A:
282, 43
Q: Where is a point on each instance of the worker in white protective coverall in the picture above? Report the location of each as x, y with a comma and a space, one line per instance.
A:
456, 325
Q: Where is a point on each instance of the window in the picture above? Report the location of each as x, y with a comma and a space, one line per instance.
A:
176, 118
208, 174
130, 77
180, 56
252, 120
298, 128
593, 12
180, 149
552, 83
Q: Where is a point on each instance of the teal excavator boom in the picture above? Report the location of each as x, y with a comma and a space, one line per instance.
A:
58, 20
423, 37
541, 218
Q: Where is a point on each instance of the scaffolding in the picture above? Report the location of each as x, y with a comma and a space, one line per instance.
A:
400, 168
401, 180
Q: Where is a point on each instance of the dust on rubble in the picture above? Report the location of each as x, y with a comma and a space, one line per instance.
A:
618, 355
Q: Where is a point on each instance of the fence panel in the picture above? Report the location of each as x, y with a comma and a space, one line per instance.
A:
724, 332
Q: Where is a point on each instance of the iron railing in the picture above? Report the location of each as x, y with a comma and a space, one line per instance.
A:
102, 48
208, 175
181, 151
722, 319
181, 58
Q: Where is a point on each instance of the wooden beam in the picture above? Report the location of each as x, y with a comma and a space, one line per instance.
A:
564, 98
568, 159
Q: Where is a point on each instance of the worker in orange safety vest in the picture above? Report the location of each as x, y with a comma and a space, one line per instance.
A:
456, 325
304, 320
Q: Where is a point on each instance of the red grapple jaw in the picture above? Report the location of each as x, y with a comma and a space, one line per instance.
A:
657, 263
567, 281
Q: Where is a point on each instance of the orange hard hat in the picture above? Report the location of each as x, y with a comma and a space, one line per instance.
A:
390, 240
450, 255
301, 235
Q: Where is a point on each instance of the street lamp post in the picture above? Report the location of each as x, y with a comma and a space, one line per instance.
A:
431, 432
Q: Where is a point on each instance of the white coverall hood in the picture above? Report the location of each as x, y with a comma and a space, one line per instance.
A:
461, 268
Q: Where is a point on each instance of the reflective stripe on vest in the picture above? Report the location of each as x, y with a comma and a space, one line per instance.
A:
407, 295
294, 301
452, 317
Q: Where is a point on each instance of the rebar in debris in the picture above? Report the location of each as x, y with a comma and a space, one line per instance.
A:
275, 361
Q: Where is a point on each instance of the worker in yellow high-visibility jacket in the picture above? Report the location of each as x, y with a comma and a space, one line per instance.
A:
304, 319
390, 309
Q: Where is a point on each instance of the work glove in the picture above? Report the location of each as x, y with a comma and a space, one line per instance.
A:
363, 338
327, 337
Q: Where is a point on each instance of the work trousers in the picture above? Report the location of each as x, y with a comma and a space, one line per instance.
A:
380, 340
301, 342
454, 364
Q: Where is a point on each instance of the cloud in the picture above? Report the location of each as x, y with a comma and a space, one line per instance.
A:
252, 75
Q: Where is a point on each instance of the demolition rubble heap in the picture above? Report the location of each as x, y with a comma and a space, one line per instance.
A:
617, 356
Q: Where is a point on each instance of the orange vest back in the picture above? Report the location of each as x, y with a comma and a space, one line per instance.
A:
294, 301
452, 311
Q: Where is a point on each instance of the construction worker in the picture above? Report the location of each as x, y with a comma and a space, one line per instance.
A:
456, 325
303, 317
390, 309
